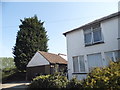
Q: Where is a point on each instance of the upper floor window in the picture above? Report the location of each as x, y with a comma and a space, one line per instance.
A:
93, 35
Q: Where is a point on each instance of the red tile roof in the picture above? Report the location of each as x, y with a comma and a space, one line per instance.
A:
53, 58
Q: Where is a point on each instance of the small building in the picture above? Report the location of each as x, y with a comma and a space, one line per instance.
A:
44, 63
92, 45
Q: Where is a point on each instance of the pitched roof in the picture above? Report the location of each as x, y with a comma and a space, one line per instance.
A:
95, 21
53, 58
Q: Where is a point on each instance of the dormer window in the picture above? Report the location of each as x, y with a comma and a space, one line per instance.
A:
93, 35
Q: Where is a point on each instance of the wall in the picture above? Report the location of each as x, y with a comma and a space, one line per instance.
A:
37, 60
76, 46
32, 71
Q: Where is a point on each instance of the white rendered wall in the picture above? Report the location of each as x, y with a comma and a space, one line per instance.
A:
76, 46
37, 60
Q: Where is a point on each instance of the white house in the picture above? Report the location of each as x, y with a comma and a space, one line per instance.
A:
93, 45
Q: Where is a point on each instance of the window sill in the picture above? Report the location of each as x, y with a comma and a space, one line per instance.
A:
94, 43
80, 73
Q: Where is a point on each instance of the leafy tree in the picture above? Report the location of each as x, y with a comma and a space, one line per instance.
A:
31, 37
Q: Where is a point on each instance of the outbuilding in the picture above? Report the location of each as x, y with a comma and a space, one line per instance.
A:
44, 63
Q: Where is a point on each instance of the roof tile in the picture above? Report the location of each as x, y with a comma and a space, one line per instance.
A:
53, 58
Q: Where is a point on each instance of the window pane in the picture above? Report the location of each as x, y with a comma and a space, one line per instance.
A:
82, 63
94, 60
86, 31
97, 35
117, 55
109, 57
75, 64
88, 38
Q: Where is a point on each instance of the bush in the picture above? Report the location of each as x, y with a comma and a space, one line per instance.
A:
49, 81
107, 77
74, 83
6, 72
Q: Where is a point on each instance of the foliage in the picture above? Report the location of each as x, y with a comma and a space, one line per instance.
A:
30, 38
8, 71
49, 81
74, 83
7, 68
7, 63
12, 75
107, 77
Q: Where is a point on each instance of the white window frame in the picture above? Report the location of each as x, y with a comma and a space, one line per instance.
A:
79, 69
92, 36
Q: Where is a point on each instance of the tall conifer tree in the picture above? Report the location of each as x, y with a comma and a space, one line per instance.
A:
31, 37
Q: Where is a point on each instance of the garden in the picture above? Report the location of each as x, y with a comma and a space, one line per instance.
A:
106, 77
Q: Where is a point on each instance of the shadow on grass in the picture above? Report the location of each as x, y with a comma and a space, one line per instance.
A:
15, 77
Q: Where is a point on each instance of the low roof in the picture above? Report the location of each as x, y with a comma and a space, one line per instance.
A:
95, 21
53, 58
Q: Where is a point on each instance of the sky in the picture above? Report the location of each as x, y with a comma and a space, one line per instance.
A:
59, 17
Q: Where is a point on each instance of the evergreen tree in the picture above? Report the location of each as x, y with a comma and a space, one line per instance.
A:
31, 37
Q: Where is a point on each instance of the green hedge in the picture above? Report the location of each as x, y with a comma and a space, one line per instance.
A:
49, 81
106, 77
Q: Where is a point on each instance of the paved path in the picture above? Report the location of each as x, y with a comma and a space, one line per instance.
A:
15, 85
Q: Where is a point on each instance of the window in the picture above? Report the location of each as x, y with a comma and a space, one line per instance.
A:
88, 36
109, 56
75, 64
78, 64
92, 35
82, 64
117, 55
94, 60
97, 37
112, 56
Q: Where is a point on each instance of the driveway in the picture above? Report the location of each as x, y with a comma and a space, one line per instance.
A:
15, 85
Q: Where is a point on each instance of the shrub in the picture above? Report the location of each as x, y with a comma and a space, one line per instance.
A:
107, 77
40, 82
74, 83
49, 81
6, 72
